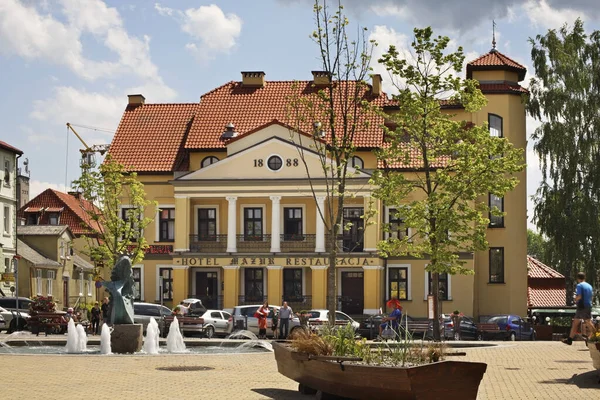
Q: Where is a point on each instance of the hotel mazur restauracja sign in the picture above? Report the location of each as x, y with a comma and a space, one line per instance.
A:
278, 261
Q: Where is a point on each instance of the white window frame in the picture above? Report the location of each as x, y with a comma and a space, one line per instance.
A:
387, 221
282, 217
264, 216
141, 268
157, 221
38, 281
203, 206
7, 220
50, 276
57, 214
129, 206
408, 277
62, 250
7, 171
81, 282
243, 280
426, 290
89, 285
157, 274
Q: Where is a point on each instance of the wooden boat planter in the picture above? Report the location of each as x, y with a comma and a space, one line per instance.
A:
337, 376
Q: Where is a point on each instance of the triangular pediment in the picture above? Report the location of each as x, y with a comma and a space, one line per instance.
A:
252, 160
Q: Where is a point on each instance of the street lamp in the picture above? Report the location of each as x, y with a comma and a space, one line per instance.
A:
548, 320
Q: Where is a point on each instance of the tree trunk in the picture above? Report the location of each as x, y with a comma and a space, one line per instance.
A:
435, 288
331, 283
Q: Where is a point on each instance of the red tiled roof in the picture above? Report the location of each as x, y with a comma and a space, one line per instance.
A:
537, 269
414, 161
495, 60
150, 137
546, 297
250, 107
73, 210
8, 147
501, 88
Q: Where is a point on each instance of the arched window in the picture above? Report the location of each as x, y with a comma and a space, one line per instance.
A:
495, 124
357, 162
208, 161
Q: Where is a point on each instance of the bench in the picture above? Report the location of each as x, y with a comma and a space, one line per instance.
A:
420, 328
488, 329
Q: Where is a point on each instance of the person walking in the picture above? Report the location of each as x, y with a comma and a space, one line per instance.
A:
285, 313
583, 312
96, 318
262, 314
274, 324
105, 311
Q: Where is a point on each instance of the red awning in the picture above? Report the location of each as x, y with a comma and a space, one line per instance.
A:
33, 209
55, 209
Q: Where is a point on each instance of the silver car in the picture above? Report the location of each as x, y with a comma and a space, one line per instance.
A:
243, 319
215, 323
9, 320
142, 312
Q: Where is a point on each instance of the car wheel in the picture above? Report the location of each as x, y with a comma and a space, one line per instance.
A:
209, 332
512, 337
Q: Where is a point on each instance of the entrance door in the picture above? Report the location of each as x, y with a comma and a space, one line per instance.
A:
353, 291
353, 238
207, 289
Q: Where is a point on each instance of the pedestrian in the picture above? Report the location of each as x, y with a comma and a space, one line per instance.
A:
183, 309
583, 312
274, 322
69, 315
262, 315
392, 320
285, 313
105, 308
96, 318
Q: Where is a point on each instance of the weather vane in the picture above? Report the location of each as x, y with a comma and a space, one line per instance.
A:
493, 35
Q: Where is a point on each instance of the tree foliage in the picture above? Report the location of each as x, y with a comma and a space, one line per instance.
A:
565, 98
438, 169
335, 113
109, 188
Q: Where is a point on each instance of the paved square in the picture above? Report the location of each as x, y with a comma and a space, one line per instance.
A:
528, 370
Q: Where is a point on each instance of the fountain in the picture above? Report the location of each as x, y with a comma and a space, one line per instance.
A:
76, 338
151, 339
175, 342
105, 347
254, 340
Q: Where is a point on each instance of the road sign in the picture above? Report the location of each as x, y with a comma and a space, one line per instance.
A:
8, 277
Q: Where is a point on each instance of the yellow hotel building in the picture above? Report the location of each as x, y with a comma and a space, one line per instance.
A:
238, 223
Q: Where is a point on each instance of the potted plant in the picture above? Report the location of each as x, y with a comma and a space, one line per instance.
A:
594, 346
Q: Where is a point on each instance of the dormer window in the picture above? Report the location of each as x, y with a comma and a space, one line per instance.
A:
53, 218
209, 161
32, 215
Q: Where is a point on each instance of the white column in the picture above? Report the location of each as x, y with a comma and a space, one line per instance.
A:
320, 239
231, 225
275, 224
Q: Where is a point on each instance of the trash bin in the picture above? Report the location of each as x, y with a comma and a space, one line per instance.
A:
239, 324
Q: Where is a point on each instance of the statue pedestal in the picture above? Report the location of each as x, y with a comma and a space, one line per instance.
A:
126, 338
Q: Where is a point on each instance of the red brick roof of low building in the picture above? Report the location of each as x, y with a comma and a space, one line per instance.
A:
546, 297
495, 60
6, 146
537, 269
249, 107
73, 211
150, 137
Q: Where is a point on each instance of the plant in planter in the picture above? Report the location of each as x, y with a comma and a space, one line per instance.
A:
42, 304
594, 346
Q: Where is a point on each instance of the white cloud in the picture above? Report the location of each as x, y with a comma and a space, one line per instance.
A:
36, 187
213, 31
385, 37
540, 13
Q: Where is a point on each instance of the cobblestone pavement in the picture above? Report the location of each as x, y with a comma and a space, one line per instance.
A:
528, 370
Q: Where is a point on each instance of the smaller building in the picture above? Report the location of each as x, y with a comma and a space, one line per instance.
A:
546, 287
49, 266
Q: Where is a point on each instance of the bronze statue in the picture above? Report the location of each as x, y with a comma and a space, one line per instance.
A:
121, 292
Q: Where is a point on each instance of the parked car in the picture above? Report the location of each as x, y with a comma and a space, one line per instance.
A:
512, 327
216, 323
319, 318
10, 303
9, 320
468, 330
243, 318
369, 328
195, 306
142, 312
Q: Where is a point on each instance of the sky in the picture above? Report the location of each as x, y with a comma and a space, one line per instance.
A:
77, 60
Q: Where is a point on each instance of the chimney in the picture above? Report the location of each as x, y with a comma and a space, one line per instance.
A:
253, 78
136, 99
229, 133
376, 86
77, 195
321, 78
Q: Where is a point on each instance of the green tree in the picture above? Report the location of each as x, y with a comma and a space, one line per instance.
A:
108, 188
454, 164
335, 115
536, 245
565, 97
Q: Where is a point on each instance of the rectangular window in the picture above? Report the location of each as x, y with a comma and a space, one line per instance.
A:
292, 224
131, 216
53, 218
292, 285
62, 250
50, 275
7, 267
6, 172
253, 224
137, 283
254, 284
32, 219
398, 229
6, 219
496, 221
81, 280
443, 285
167, 278
495, 125
207, 224
38, 281
496, 264
398, 283
89, 285
167, 225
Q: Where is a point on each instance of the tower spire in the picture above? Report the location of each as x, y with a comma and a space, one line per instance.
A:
493, 36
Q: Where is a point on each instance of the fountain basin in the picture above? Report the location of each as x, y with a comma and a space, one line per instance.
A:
42, 348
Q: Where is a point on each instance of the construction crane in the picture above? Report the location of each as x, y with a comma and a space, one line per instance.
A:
88, 154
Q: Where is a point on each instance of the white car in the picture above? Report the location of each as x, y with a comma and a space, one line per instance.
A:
8, 320
215, 323
319, 318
